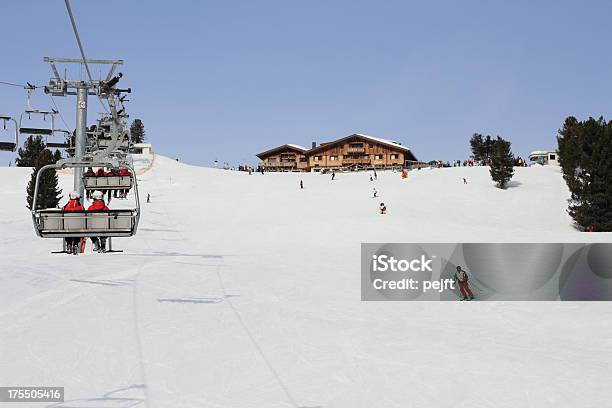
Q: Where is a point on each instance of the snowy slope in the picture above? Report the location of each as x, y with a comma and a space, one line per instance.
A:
243, 291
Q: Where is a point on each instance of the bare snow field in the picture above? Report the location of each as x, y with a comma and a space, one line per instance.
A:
244, 291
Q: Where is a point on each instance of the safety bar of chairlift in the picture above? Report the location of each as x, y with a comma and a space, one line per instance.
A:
82, 165
5, 118
85, 216
38, 131
108, 179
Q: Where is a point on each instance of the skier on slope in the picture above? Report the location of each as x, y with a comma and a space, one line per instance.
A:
383, 208
72, 244
375, 193
98, 205
461, 278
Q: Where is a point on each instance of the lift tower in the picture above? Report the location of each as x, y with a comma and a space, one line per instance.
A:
102, 89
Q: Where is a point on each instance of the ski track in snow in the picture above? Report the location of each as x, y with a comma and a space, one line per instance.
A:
243, 291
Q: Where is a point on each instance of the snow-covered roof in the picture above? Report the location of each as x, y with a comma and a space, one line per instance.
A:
384, 141
297, 146
542, 152
142, 145
387, 142
275, 149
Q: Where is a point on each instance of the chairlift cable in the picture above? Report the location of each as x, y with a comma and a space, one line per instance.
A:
12, 84
80, 44
28, 86
59, 112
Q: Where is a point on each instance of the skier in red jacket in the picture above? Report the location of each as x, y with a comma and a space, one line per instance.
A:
461, 278
74, 204
98, 205
72, 244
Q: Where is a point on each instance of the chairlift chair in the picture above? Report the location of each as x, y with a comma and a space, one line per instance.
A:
92, 183
37, 131
9, 146
56, 223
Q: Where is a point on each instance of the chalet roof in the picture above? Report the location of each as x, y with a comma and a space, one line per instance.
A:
542, 152
294, 147
386, 142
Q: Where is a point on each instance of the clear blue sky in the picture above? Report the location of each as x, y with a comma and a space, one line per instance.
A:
227, 79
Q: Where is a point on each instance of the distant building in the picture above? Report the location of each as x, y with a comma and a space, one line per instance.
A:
550, 157
287, 157
353, 152
142, 148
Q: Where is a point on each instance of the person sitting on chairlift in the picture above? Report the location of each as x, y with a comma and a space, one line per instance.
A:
98, 205
89, 173
124, 172
74, 204
114, 172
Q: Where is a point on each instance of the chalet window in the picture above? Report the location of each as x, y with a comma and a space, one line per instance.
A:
356, 145
378, 157
552, 157
393, 156
271, 159
302, 159
333, 158
317, 158
371, 146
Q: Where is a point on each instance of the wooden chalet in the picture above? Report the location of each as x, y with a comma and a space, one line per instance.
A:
287, 157
359, 151
353, 152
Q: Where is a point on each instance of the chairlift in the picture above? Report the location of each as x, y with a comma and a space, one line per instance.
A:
110, 182
68, 144
56, 223
33, 111
12, 145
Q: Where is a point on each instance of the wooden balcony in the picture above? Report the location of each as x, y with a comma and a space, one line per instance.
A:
359, 160
280, 164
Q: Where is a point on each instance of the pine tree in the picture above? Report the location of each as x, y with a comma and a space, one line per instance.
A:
48, 191
137, 131
57, 156
489, 146
482, 147
585, 156
502, 162
32, 148
477, 146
